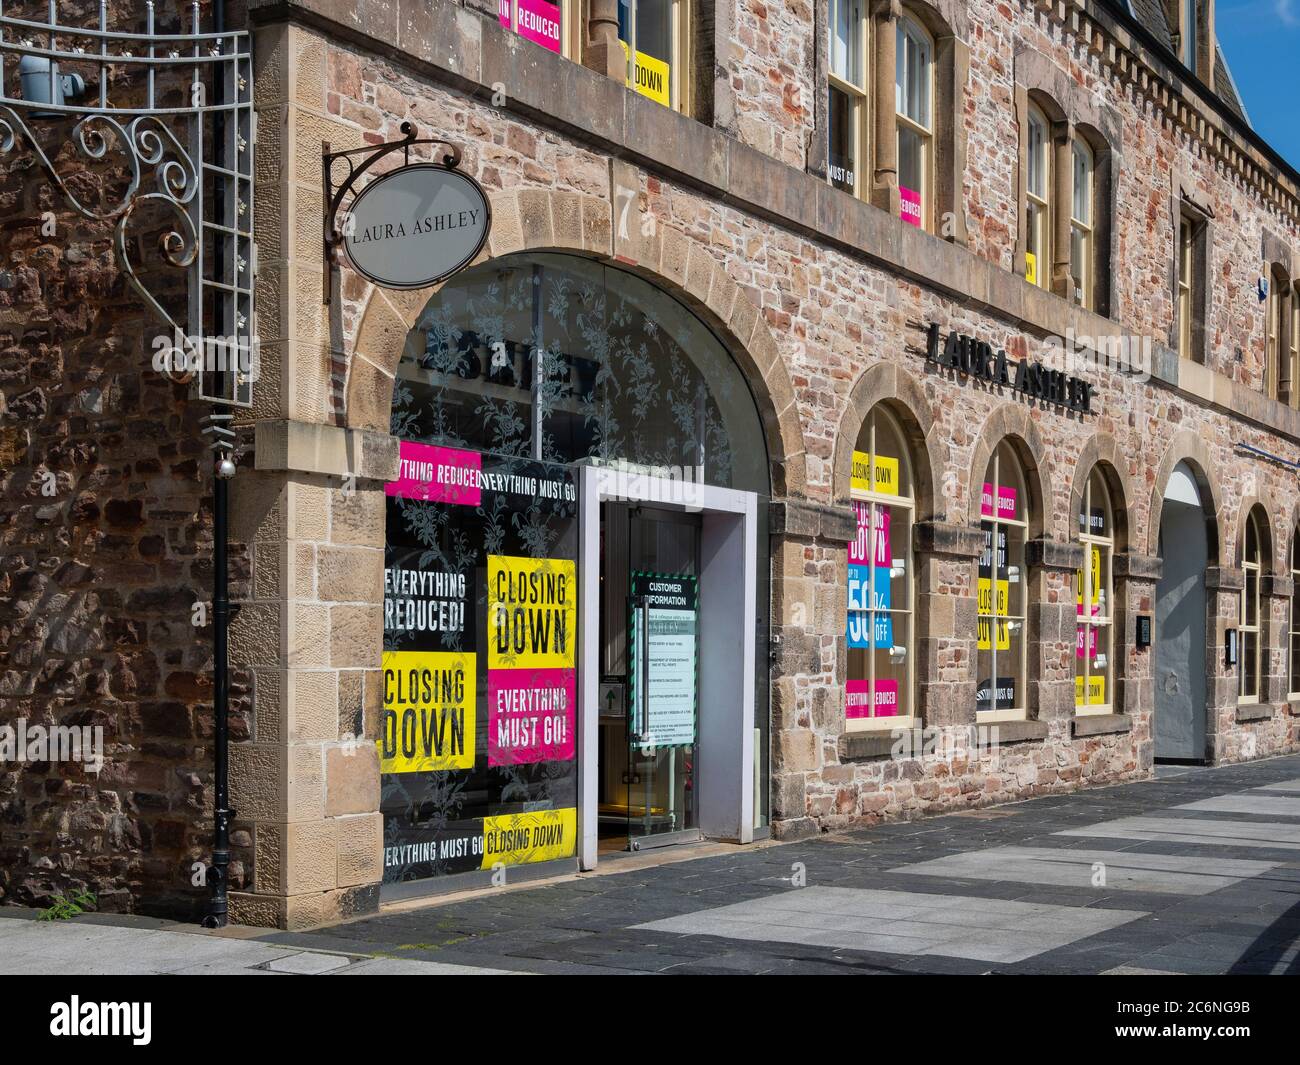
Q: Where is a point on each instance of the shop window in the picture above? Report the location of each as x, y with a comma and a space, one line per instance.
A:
1038, 198
655, 36
1082, 223
848, 94
1293, 620
552, 24
879, 691
913, 105
1251, 651
1001, 583
1094, 601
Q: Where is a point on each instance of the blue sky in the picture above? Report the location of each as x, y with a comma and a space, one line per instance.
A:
1261, 40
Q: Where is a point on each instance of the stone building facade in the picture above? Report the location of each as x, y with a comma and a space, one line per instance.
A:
828, 303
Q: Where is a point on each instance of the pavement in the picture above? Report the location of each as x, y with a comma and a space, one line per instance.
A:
1196, 871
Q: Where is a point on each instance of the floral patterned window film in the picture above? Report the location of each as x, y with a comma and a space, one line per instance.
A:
1093, 598
1001, 584
520, 368
880, 634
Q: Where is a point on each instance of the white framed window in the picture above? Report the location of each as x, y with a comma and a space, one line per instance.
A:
1189, 34
655, 35
1082, 222
1186, 283
880, 690
1251, 651
1094, 671
1001, 592
1038, 198
914, 108
848, 112
1293, 345
1273, 334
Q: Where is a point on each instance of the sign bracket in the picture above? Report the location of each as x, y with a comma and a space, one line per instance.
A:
332, 238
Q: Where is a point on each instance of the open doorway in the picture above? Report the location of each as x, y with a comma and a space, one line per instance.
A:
1180, 660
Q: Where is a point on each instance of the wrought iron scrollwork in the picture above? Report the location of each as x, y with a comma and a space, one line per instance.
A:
190, 165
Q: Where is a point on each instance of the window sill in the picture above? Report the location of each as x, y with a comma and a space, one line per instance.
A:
866, 746
1017, 731
1101, 724
1255, 711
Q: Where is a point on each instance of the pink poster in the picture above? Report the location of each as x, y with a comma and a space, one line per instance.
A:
1006, 501
909, 205
860, 545
539, 21
437, 474
530, 715
857, 698
1079, 641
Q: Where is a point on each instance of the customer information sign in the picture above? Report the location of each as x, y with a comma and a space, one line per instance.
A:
664, 626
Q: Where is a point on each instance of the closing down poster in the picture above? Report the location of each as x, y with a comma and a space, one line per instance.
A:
477, 736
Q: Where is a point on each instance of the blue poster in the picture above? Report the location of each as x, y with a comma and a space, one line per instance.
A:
859, 619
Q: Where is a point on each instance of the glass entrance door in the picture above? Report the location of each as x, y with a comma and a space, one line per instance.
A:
649, 724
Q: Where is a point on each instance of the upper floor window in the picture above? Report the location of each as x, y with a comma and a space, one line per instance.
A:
1188, 34
1251, 653
879, 690
1273, 324
914, 108
1001, 581
654, 35
1293, 347
1038, 192
1192, 279
1094, 601
848, 94
1082, 223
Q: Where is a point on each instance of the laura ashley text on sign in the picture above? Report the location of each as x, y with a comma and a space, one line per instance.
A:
416, 226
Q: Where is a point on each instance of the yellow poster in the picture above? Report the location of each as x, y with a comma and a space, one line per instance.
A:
985, 605
1096, 691
886, 480
1094, 592
428, 722
1031, 267
651, 77
532, 615
538, 836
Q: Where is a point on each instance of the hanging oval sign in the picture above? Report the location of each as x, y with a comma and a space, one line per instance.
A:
417, 226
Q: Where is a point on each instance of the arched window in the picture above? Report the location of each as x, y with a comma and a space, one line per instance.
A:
1082, 223
1094, 601
848, 95
1038, 198
1293, 624
914, 107
1000, 591
1251, 654
879, 691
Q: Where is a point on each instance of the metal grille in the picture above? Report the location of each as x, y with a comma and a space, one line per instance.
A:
173, 113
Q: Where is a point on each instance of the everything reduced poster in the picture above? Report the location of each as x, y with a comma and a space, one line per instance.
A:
477, 739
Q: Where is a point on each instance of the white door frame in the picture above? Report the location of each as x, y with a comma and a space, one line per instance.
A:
728, 623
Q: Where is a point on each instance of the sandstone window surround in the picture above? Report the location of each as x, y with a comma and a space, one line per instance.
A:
655, 47
1191, 24
915, 67
1281, 271
881, 676
1094, 687
1192, 225
1069, 157
1002, 585
1250, 621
